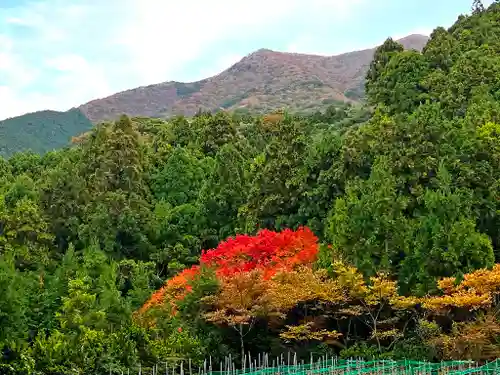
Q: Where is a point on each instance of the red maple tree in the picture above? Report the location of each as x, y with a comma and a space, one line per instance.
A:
268, 251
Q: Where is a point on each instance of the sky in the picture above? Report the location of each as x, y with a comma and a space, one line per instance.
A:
59, 54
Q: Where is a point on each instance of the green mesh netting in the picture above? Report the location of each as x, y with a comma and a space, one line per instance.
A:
354, 367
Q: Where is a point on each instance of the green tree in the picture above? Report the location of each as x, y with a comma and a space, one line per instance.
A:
224, 191
213, 131
179, 180
273, 196
63, 197
381, 58
112, 158
399, 87
367, 225
444, 240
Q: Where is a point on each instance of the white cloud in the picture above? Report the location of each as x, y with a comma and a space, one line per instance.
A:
306, 44
17, 74
68, 63
17, 21
14, 104
82, 50
35, 16
161, 36
13, 71
81, 80
220, 64
165, 35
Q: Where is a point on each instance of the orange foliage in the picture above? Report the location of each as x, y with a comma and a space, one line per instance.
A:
175, 288
271, 273
80, 138
483, 280
273, 118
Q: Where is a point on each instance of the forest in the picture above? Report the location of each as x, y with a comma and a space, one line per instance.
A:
368, 232
40, 131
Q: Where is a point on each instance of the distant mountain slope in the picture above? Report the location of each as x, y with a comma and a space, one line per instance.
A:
261, 81
41, 131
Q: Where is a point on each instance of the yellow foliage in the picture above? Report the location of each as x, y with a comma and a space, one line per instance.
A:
447, 284
305, 332
241, 298
392, 333
404, 303
381, 289
461, 299
287, 289
483, 280
244, 297
478, 290
350, 279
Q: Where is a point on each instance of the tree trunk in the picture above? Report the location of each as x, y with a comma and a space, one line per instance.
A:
242, 343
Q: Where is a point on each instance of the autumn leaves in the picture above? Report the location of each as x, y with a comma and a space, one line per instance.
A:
273, 276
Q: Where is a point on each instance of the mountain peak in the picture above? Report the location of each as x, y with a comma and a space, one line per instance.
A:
419, 36
262, 80
414, 41
262, 51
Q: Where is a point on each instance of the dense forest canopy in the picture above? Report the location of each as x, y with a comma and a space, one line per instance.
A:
41, 132
355, 231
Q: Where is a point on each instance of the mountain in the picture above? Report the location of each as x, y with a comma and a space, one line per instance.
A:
41, 131
261, 81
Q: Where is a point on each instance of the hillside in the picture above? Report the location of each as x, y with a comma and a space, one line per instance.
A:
41, 131
261, 81
198, 244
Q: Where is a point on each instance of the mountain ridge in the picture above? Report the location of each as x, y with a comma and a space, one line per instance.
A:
262, 80
41, 131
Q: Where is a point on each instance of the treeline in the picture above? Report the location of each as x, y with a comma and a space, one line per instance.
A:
398, 198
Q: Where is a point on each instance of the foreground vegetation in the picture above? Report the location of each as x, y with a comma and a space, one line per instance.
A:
362, 235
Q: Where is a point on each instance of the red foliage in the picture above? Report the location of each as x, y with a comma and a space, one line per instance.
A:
268, 251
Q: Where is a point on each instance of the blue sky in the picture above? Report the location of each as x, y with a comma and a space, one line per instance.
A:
56, 54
